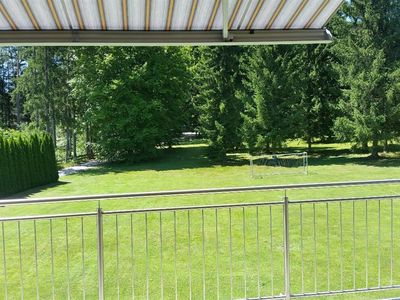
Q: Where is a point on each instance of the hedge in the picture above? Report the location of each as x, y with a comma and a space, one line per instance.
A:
26, 160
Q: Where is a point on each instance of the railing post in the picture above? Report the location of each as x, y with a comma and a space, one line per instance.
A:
286, 245
100, 253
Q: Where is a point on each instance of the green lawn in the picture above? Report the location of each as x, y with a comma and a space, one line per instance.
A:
186, 167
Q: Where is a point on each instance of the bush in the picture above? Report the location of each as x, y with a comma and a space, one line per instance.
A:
26, 160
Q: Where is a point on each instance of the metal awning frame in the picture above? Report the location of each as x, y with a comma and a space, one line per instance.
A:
162, 38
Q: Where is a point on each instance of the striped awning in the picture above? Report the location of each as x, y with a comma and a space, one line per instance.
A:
165, 21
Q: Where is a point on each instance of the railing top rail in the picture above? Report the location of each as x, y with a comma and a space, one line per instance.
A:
197, 207
5, 202
49, 216
323, 200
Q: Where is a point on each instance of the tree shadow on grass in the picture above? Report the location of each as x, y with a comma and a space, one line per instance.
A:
383, 162
36, 190
322, 151
329, 155
195, 157
171, 159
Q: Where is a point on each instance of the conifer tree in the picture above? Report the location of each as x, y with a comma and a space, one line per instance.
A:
218, 79
26, 160
368, 70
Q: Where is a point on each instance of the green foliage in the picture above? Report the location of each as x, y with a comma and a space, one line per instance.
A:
318, 90
26, 160
136, 99
287, 95
272, 104
364, 103
368, 72
217, 81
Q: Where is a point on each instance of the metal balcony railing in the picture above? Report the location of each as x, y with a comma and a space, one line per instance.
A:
265, 250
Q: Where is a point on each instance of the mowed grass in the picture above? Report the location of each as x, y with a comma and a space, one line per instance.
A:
249, 241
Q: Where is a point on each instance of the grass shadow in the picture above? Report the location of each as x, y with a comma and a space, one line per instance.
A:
36, 190
171, 159
382, 162
329, 155
195, 157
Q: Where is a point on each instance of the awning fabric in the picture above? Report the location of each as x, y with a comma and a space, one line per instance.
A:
165, 21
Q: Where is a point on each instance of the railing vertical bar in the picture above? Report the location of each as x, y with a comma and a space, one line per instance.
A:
67, 252
52, 259
258, 255
189, 254
100, 253
391, 241
21, 274
175, 258
379, 243
271, 257
315, 249
132, 258
36, 260
230, 253
328, 255
244, 252
217, 250
147, 257
117, 254
341, 244
286, 246
83, 259
354, 244
4, 262
161, 259
302, 248
203, 254
366, 244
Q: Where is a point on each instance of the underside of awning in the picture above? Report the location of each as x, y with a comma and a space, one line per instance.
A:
164, 22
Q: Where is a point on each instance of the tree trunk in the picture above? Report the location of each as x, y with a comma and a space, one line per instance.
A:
74, 140
386, 146
18, 107
309, 143
374, 149
35, 90
67, 144
364, 146
74, 125
18, 104
53, 125
46, 87
89, 150
51, 101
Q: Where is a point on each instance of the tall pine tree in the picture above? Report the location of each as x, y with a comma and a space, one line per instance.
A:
368, 70
218, 80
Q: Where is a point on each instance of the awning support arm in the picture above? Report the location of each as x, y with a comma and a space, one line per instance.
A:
225, 11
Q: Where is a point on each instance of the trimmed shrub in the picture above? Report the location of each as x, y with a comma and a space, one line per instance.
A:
26, 160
